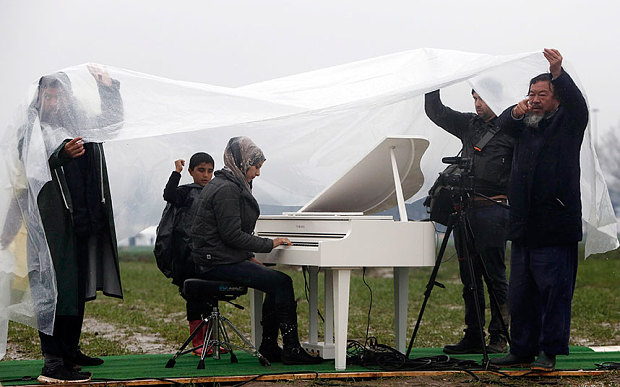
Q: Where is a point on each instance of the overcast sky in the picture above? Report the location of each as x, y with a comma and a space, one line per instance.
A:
236, 42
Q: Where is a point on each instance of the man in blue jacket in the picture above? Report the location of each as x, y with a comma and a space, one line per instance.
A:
545, 215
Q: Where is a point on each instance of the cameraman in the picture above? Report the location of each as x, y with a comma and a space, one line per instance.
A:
491, 170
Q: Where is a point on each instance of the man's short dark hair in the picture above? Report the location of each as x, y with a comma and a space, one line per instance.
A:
199, 158
544, 77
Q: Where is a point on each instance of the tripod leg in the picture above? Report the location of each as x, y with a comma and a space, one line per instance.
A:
180, 352
192, 335
432, 281
207, 345
217, 342
225, 340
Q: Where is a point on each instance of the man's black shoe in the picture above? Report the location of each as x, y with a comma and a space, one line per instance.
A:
62, 374
466, 345
511, 360
497, 344
298, 356
83, 360
544, 362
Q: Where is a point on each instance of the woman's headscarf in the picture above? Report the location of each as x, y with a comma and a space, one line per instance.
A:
241, 154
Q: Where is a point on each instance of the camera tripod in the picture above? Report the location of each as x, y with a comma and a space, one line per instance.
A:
459, 223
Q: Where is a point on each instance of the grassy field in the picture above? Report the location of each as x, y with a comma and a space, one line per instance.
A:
151, 318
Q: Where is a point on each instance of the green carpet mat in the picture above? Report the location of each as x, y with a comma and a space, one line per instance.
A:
153, 366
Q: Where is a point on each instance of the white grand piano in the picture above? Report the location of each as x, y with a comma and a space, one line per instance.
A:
336, 232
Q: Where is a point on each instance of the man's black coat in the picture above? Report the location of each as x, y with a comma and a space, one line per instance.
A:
544, 191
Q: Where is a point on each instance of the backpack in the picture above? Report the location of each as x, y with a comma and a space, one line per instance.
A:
172, 241
164, 254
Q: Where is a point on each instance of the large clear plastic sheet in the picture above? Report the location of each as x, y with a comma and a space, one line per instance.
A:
312, 128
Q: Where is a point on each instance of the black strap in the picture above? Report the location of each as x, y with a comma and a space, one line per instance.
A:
491, 131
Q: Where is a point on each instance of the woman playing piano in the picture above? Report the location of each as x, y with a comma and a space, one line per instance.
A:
224, 245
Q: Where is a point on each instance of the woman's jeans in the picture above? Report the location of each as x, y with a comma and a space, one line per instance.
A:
277, 286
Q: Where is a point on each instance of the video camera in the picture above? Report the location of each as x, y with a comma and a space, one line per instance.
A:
451, 190
458, 174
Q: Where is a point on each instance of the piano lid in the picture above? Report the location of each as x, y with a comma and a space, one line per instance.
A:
368, 186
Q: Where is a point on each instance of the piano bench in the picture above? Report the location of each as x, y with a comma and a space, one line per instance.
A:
195, 289
214, 326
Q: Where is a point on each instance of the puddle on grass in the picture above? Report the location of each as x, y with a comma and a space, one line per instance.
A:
136, 342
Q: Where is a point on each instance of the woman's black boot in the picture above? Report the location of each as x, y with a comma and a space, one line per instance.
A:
269, 345
293, 353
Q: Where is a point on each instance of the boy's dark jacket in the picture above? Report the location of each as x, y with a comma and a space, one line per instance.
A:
223, 226
172, 245
544, 192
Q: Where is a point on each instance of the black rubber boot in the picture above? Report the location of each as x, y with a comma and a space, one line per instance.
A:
293, 353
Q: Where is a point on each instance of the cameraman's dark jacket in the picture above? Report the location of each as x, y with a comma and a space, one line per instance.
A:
544, 194
491, 166
224, 221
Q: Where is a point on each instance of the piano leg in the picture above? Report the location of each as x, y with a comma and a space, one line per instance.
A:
256, 313
401, 293
329, 309
326, 347
341, 281
313, 307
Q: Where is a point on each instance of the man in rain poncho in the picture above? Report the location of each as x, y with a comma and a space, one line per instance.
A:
76, 213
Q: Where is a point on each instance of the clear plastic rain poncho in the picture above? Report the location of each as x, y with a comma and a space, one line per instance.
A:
313, 127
